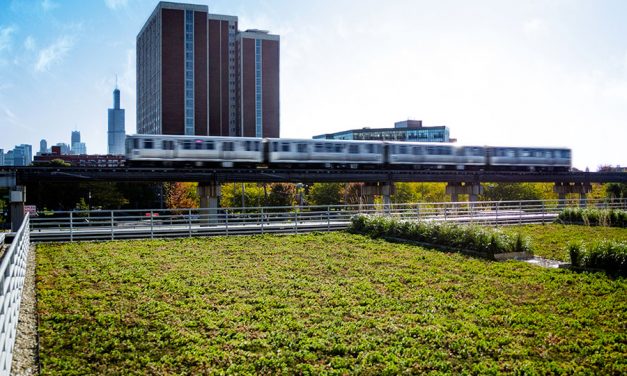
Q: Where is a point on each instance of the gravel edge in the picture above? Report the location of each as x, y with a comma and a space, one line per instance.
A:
25, 352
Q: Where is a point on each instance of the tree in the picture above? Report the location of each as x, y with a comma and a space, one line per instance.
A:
254, 195
281, 194
513, 192
405, 193
616, 191
181, 195
325, 194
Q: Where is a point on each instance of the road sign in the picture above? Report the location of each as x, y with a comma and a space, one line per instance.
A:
32, 209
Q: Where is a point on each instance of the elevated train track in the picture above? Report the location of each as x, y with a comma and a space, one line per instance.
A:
26, 175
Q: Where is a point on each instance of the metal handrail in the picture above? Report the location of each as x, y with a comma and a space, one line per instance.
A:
12, 274
137, 223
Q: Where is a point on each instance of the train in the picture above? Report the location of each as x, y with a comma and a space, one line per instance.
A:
214, 151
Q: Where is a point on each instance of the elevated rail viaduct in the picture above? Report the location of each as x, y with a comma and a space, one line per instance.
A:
378, 182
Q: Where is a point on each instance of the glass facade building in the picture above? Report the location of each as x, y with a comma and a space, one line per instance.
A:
421, 134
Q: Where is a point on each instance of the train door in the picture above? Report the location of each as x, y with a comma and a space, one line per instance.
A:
168, 149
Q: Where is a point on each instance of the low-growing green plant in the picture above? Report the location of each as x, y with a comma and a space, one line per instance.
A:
460, 237
608, 255
332, 303
594, 217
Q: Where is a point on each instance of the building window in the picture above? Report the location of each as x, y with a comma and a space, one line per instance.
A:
258, 90
189, 72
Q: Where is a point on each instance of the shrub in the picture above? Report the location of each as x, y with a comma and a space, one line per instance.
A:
610, 256
459, 237
594, 217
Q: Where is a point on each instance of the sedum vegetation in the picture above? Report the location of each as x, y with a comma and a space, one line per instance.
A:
551, 241
331, 303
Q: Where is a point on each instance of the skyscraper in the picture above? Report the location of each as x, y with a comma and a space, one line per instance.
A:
43, 146
116, 132
78, 147
190, 79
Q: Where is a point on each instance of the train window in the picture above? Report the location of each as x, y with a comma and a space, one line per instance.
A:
525, 153
246, 145
135, 143
402, 149
328, 148
187, 145
227, 146
275, 147
416, 150
318, 148
285, 146
198, 145
209, 145
339, 148
353, 149
256, 145
148, 144
510, 153
168, 145
302, 148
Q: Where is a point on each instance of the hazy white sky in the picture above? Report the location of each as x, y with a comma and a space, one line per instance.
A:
541, 73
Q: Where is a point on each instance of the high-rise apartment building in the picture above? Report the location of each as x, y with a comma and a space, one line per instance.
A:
258, 58
223, 75
172, 71
116, 131
190, 77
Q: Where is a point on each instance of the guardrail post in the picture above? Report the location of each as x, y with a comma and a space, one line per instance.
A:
296, 222
226, 221
497, 213
189, 221
519, 212
71, 227
151, 224
112, 234
328, 218
262, 221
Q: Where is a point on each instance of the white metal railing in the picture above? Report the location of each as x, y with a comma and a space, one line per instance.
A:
126, 224
12, 272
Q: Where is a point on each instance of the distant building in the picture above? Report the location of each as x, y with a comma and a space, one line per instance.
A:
116, 130
82, 160
8, 158
198, 75
43, 146
61, 149
409, 130
22, 155
78, 147
2, 157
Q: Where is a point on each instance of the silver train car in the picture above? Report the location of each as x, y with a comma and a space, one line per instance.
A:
255, 152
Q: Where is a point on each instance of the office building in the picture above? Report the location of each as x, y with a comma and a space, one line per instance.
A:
198, 75
61, 148
409, 130
43, 146
21, 155
116, 131
78, 147
258, 57
2, 157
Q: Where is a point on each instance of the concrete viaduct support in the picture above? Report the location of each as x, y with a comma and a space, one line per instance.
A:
562, 189
473, 190
209, 193
386, 190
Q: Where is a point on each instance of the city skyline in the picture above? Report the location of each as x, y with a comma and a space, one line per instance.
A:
498, 73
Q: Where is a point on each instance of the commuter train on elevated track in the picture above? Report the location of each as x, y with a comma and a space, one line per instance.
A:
170, 150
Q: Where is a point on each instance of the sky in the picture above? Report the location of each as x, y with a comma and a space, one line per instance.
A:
496, 72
